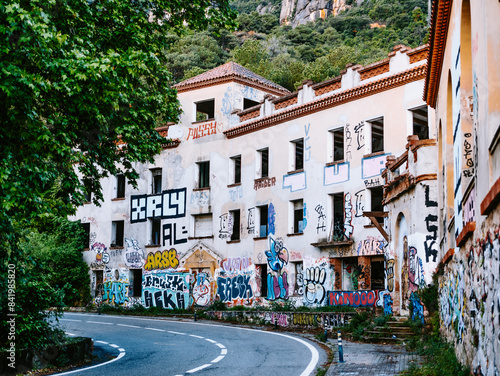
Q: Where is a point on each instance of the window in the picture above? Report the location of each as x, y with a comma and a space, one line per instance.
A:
378, 275
235, 217
203, 225
203, 174
120, 186
236, 163
247, 103
86, 229
298, 216
98, 275
338, 144
377, 135
263, 213
135, 279
156, 180
264, 162
205, 110
263, 279
117, 234
338, 216
155, 231
420, 123
298, 152
377, 195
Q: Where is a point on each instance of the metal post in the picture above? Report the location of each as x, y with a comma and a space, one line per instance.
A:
326, 334
194, 315
275, 323
341, 351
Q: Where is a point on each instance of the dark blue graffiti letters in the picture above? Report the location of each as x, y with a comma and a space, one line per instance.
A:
237, 287
169, 204
428, 202
166, 290
115, 292
170, 234
277, 286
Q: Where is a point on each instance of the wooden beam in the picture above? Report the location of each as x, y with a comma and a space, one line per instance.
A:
375, 214
379, 228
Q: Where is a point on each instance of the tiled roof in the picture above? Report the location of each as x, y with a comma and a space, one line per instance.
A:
230, 71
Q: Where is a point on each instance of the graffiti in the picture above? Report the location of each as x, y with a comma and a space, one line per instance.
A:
170, 236
295, 182
162, 260
468, 151
271, 216
202, 130
373, 166
307, 146
360, 203
235, 264
348, 143
348, 228
335, 320
469, 208
235, 193
373, 182
299, 279
280, 319
306, 319
304, 217
415, 270
314, 290
390, 275
101, 256
277, 281
237, 287
166, 290
321, 219
417, 307
202, 290
387, 304
404, 275
364, 273
200, 198
264, 183
92, 237
115, 292
353, 298
226, 226
430, 240
168, 204
134, 255
360, 135
96, 265
251, 221
371, 246
336, 173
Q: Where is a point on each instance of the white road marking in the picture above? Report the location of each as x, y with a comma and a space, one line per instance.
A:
223, 351
70, 320
181, 334
115, 346
210, 340
198, 368
221, 346
102, 342
158, 330
218, 359
71, 334
129, 326
102, 323
195, 336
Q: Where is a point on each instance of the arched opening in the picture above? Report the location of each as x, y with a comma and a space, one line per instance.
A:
400, 295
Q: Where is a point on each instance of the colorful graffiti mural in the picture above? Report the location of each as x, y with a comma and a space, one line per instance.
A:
166, 259
134, 255
353, 298
166, 290
277, 278
314, 292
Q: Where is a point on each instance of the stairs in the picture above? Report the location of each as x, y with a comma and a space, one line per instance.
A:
394, 331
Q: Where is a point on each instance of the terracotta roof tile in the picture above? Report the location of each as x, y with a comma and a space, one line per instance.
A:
228, 72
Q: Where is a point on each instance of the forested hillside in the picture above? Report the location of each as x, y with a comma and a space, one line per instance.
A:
316, 51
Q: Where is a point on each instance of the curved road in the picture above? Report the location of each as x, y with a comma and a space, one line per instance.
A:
151, 347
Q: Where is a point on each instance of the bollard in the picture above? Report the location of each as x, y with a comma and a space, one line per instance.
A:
326, 334
275, 323
341, 351
194, 315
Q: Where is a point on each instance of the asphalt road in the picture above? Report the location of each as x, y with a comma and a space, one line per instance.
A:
151, 347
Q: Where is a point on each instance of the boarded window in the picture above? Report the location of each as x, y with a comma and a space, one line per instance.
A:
203, 225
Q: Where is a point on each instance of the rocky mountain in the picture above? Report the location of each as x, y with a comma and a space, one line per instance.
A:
296, 12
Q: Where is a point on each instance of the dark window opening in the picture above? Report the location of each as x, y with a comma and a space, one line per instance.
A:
117, 234
263, 280
237, 169
378, 275
377, 135
235, 215
205, 110
421, 123
264, 163
204, 174
247, 103
155, 231
299, 154
135, 288
156, 181
99, 288
263, 213
298, 217
338, 216
338, 145
377, 196
120, 186
86, 230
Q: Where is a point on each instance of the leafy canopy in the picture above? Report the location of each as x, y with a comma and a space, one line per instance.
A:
78, 77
